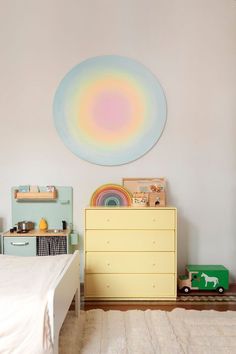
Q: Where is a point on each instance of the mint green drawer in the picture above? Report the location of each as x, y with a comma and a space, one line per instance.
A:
19, 246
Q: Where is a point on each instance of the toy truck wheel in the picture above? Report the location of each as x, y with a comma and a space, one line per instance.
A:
220, 290
185, 290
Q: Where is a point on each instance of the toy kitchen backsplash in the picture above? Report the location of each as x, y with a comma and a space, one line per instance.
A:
56, 208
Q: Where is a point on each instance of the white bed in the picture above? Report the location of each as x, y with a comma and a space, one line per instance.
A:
35, 295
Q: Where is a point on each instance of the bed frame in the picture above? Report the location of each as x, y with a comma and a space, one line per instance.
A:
60, 296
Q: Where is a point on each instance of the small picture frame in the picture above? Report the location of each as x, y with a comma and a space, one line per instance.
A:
139, 199
153, 188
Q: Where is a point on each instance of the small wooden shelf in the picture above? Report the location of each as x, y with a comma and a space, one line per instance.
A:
35, 196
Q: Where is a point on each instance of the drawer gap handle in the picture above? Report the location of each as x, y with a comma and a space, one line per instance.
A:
19, 243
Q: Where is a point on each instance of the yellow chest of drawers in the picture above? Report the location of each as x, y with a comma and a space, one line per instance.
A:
130, 253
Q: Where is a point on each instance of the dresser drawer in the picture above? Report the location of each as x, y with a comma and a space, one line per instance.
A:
130, 218
19, 246
130, 262
130, 240
130, 286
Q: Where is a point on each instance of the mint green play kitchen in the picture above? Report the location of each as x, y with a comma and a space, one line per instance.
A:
204, 277
42, 222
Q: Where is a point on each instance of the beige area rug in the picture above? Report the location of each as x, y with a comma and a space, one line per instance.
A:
149, 332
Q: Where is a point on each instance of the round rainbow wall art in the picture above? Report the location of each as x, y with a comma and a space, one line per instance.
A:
109, 110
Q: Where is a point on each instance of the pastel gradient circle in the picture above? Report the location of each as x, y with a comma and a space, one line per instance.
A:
109, 110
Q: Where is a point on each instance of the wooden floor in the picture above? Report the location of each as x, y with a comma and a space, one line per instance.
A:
164, 305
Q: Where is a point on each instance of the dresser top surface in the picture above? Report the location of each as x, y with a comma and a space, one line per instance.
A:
130, 208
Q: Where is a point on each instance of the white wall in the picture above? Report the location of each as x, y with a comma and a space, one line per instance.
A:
190, 45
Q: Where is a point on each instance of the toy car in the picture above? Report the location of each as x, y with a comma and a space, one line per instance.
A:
204, 277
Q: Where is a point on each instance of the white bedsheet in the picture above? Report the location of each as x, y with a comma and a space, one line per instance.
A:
24, 284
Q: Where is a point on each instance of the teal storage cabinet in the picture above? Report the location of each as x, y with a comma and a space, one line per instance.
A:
19, 246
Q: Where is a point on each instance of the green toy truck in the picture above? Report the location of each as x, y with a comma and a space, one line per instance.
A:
204, 277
